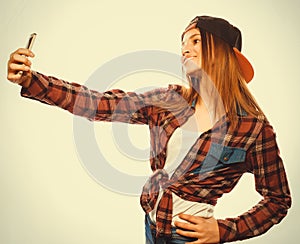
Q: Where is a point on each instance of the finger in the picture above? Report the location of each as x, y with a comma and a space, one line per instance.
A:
185, 233
16, 78
15, 68
24, 51
20, 78
186, 226
191, 218
21, 59
16, 72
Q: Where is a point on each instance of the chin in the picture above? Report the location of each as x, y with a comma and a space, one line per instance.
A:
190, 67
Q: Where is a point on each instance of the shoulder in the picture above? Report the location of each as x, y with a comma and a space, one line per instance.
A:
261, 123
257, 130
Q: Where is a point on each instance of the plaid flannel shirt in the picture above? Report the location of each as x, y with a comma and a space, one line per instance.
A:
212, 167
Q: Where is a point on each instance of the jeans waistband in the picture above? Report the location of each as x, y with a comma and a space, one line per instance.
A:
151, 238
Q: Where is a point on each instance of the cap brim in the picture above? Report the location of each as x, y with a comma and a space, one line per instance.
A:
245, 65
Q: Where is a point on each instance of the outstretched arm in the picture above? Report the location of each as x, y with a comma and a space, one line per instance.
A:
114, 105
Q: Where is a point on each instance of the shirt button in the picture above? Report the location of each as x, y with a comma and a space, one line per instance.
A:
225, 159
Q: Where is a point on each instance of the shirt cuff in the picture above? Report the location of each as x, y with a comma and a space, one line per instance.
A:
37, 88
227, 231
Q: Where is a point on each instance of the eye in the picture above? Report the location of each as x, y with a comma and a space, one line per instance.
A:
196, 41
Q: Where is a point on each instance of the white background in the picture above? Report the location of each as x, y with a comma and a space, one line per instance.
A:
46, 194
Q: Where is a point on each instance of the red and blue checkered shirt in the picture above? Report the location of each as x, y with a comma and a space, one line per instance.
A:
212, 167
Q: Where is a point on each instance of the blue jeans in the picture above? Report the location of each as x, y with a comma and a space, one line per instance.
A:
151, 235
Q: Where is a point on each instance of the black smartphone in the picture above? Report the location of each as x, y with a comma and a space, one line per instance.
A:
31, 41
29, 46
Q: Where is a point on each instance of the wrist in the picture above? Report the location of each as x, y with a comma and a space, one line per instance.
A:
26, 80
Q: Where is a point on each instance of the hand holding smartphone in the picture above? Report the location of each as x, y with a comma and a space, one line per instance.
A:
29, 46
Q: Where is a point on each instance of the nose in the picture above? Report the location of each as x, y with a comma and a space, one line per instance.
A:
185, 49
185, 52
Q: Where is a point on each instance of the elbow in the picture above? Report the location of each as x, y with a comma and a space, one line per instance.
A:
280, 207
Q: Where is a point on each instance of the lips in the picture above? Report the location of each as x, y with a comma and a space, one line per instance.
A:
185, 59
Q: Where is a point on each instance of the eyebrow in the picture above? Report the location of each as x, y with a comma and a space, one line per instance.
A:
194, 35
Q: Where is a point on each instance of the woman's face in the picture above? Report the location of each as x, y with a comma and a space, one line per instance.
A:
191, 50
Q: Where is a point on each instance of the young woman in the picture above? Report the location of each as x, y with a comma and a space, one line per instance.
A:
223, 133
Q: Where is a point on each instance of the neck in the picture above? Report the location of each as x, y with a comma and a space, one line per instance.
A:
209, 111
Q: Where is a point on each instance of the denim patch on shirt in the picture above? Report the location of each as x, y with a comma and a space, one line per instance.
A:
220, 156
